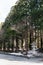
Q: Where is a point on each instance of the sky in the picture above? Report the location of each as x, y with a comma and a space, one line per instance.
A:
5, 6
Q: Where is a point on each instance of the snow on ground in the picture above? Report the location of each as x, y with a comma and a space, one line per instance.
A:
30, 54
13, 60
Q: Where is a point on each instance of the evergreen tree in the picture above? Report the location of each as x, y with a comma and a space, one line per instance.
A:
29, 11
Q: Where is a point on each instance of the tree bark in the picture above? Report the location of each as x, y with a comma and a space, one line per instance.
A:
17, 47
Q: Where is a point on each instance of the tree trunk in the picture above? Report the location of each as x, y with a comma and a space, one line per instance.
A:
22, 44
17, 47
30, 42
26, 41
13, 43
4, 45
8, 45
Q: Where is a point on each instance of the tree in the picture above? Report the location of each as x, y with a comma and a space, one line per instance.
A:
28, 11
36, 7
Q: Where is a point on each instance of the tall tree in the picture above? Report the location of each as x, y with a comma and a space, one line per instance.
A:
29, 11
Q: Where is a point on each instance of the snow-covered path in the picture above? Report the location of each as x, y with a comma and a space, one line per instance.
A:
13, 60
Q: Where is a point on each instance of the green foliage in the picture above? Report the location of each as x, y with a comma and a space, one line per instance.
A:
21, 12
